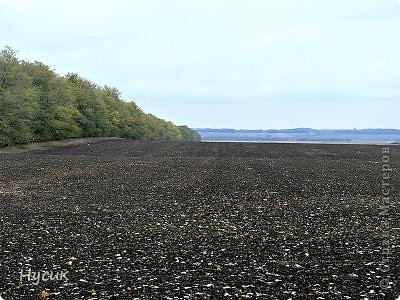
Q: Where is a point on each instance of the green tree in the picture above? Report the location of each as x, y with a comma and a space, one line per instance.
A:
36, 104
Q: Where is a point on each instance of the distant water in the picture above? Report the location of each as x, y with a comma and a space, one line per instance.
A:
303, 135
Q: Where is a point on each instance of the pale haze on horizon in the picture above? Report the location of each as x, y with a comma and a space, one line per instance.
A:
255, 64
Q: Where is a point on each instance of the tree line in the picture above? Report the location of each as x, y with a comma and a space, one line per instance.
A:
36, 104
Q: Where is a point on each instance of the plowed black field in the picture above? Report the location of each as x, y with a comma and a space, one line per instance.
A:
161, 220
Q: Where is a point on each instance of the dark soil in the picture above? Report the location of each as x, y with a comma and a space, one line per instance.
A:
161, 220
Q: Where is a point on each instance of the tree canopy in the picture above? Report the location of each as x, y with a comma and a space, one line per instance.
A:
36, 104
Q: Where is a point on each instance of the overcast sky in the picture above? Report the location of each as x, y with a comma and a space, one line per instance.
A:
225, 63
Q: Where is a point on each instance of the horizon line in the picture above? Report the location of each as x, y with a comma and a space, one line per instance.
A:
304, 128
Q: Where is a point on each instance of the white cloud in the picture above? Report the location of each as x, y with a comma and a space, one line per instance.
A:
291, 34
265, 41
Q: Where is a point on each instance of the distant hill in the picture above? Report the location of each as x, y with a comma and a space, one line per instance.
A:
36, 104
302, 135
